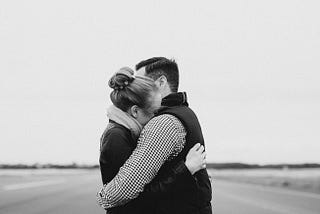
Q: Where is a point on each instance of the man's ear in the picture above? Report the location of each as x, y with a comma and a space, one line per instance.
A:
162, 81
133, 111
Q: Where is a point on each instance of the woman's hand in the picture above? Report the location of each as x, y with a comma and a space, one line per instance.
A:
196, 158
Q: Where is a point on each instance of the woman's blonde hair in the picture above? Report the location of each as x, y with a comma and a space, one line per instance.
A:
129, 90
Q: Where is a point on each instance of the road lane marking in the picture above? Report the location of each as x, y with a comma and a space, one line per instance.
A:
32, 184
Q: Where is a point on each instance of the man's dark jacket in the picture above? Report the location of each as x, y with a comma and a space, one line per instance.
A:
187, 198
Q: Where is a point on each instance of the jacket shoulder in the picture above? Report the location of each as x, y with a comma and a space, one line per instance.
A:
115, 135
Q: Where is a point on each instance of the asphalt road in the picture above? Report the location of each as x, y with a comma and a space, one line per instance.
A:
74, 193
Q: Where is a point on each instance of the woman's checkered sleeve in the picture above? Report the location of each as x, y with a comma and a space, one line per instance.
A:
160, 140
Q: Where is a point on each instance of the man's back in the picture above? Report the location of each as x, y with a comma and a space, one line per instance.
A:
194, 198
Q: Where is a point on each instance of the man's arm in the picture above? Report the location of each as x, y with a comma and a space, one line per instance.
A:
163, 137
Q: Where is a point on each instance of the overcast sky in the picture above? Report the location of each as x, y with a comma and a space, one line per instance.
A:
251, 70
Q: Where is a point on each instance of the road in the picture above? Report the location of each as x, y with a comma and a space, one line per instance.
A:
74, 193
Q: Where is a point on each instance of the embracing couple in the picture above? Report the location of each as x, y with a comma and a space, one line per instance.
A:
152, 157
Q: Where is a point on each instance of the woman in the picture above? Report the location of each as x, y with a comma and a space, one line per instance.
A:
135, 99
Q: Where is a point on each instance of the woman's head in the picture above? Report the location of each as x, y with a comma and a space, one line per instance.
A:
136, 95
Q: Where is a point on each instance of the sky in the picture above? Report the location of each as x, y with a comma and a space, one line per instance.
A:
251, 70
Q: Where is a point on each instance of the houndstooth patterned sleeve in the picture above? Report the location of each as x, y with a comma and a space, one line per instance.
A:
161, 139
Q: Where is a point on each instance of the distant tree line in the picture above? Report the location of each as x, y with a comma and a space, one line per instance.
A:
209, 165
257, 166
48, 166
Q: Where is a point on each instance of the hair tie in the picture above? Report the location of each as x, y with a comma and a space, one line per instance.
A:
118, 85
127, 72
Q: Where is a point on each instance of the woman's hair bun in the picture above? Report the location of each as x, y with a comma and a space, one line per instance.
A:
122, 78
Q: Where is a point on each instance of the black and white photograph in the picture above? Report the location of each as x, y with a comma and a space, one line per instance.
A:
159, 107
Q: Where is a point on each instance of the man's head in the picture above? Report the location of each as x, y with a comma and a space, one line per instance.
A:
163, 71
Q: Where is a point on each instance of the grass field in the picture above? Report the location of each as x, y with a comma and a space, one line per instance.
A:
55, 191
299, 179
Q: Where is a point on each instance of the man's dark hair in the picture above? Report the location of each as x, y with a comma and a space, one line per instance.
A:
158, 66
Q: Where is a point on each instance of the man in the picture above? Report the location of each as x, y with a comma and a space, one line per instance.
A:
164, 142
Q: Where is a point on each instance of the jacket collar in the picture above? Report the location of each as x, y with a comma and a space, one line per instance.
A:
175, 99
